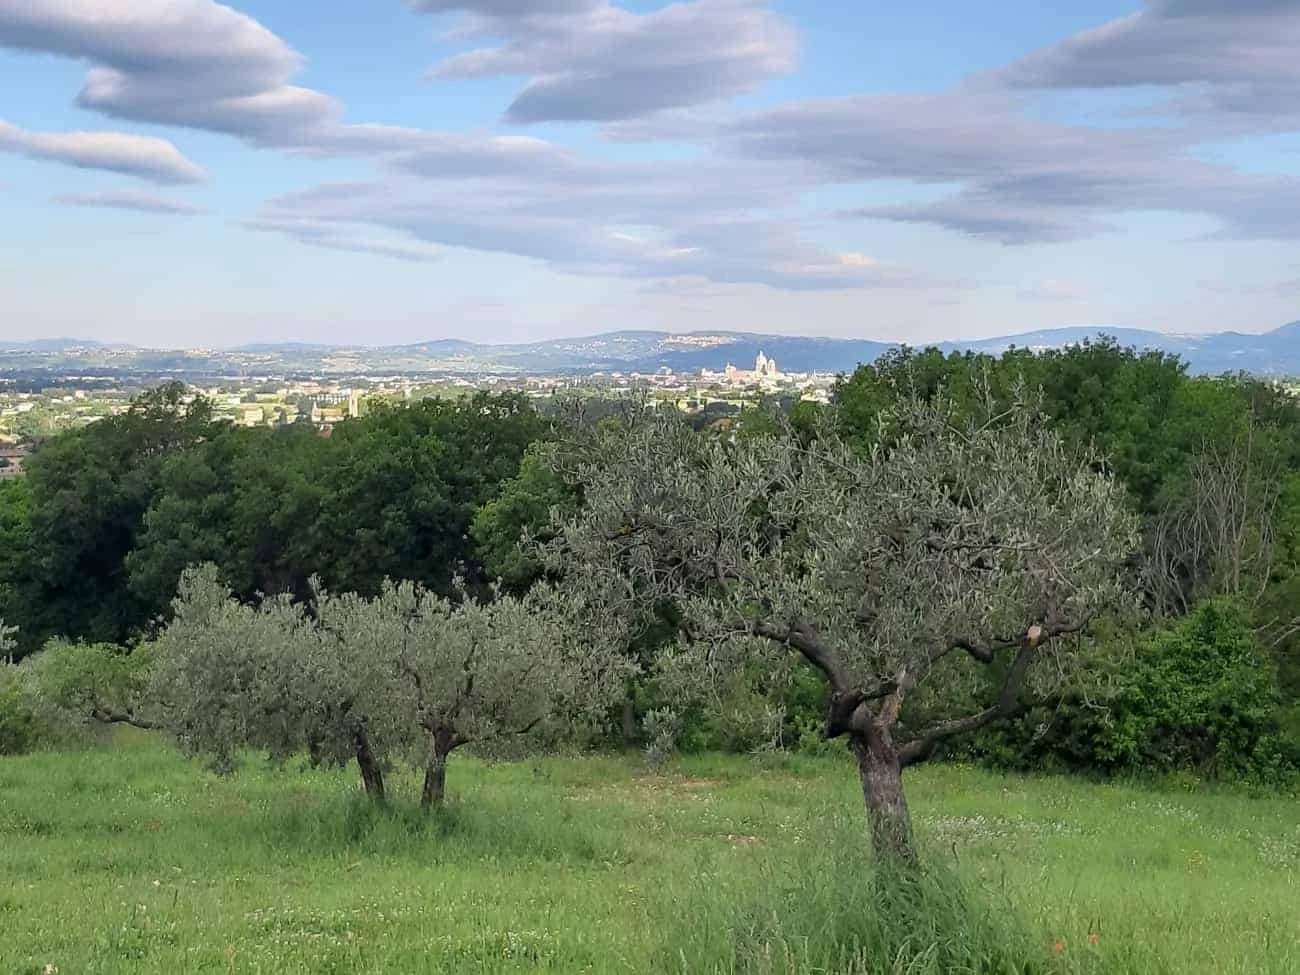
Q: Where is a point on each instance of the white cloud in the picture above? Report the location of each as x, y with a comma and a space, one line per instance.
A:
145, 157
590, 61
732, 214
1231, 63
193, 63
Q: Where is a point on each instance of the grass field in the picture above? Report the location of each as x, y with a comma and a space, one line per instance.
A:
133, 860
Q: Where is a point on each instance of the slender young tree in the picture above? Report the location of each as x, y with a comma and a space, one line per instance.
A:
464, 672
949, 557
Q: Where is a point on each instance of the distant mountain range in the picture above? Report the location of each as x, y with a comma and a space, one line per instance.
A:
53, 345
1273, 353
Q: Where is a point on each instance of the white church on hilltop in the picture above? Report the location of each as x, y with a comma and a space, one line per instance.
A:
765, 370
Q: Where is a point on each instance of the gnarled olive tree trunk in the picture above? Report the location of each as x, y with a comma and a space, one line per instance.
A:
881, 771
441, 744
372, 776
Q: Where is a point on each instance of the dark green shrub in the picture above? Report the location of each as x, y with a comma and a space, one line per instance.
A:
1204, 698
1199, 696
18, 721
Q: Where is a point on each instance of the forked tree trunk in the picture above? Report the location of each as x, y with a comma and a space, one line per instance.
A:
372, 776
882, 788
441, 744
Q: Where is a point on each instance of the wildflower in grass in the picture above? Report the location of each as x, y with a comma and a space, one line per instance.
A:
1059, 947
1094, 938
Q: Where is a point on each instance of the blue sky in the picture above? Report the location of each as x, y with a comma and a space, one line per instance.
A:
188, 173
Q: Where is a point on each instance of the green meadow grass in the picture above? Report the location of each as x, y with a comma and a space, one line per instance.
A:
131, 859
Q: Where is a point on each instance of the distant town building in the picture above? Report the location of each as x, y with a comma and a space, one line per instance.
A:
12, 456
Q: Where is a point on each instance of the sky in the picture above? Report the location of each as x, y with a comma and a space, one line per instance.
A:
186, 173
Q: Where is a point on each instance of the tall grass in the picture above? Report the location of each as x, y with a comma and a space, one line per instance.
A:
833, 910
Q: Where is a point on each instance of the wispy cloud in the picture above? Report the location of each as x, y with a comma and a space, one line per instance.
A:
533, 199
155, 160
331, 236
131, 200
1021, 179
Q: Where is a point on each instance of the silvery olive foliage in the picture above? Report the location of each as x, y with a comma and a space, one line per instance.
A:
889, 571
7, 643
405, 674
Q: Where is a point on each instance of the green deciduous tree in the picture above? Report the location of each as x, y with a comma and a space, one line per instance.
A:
111, 514
15, 541
406, 482
89, 490
247, 500
522, 513
949, 549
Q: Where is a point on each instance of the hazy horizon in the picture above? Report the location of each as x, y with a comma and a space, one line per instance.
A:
290, 341
186, 173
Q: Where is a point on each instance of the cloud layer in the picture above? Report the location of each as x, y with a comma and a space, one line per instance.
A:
533, 199
984, 159
1020, 179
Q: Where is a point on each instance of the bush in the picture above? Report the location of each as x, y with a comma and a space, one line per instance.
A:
18, 722
1198, 697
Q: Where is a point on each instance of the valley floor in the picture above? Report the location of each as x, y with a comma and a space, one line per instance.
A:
132, 859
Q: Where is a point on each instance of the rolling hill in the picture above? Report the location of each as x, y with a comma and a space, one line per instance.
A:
1274, 353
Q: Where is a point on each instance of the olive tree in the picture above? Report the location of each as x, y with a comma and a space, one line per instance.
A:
82, 683
489, 672
406, 673
232, 675
948, 555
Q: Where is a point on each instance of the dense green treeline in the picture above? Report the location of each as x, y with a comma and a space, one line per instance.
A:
96, 537
1142, 410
